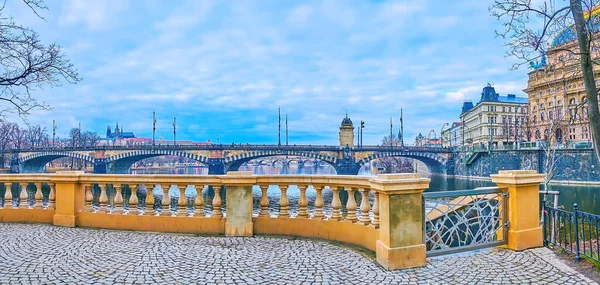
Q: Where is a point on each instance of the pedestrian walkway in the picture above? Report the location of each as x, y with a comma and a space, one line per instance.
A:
43, 254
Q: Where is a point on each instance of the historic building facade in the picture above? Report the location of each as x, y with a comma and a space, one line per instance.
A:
558, 108
496, 120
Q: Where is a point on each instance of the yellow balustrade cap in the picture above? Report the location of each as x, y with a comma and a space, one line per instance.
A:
239, 173
238, 178
517, 177
404, 183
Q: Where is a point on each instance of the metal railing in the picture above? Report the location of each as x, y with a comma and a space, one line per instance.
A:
232, 146
464, 220
576, 232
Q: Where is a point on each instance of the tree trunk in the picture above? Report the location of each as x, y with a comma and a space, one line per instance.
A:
588, 74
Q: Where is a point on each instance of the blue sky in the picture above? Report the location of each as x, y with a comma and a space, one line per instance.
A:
224, 67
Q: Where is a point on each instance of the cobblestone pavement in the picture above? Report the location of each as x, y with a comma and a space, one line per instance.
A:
42, 254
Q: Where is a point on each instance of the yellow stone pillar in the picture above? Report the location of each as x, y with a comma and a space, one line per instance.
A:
70, 197
238, 209
400, 244
523, 207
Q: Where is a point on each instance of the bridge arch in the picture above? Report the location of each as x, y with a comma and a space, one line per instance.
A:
36, 162
121, 163
435, 162
233, 163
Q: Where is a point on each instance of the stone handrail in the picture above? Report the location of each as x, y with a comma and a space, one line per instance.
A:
382, 213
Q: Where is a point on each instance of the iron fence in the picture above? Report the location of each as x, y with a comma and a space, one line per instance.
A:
576, 232
464, 220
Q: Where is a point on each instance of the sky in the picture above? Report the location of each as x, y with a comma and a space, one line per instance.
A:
223, 68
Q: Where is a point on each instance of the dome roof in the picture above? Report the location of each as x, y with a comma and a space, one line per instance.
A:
569, 34
347, 122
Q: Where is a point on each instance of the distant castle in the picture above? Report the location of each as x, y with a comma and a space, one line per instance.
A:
118, 134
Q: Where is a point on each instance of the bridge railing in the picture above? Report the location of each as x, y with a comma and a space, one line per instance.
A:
236, 146
382, 213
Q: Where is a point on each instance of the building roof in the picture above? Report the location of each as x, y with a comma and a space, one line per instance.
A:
512, 98
347, 122
569, 34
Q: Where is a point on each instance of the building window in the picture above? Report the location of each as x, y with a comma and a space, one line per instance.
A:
542, 116
538, 135
503, 109
550, 115
572, 101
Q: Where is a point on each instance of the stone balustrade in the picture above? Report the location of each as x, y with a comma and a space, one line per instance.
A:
382, 213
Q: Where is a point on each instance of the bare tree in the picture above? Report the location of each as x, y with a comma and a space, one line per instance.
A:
393, 164
26, 64
530, 27
554, 136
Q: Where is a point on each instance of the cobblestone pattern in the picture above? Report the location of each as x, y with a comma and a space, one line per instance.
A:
42, 254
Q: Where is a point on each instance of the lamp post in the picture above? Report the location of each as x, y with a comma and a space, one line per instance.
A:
490, 131
362, 126
516, 123
442, 134
429, 138
174, 131
53, 133
153, 129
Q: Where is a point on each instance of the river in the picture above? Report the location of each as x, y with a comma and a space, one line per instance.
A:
586, 197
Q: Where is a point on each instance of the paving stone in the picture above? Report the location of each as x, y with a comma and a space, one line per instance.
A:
43, 254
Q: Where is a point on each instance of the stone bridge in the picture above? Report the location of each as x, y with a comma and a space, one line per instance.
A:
222, 158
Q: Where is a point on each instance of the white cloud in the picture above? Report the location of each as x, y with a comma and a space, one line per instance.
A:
300, 16
95, 14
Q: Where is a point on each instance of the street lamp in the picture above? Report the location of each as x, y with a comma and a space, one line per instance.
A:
153, 129
442, 134
53, 133
490, 131
429, 138
516, 123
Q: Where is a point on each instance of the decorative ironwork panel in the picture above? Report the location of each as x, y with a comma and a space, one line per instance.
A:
464, 220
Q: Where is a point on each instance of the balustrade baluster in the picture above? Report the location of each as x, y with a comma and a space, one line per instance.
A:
283, 202
336, 204
38, 196
149, 199
23, 195
7, 194
118, 202
319, 202
365, 207
182, 200
199, 201
217, 202
302, 202
89, 196
52, 195
166, 198
264, 201
351, 205
133, 200
376, 210
103, 200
